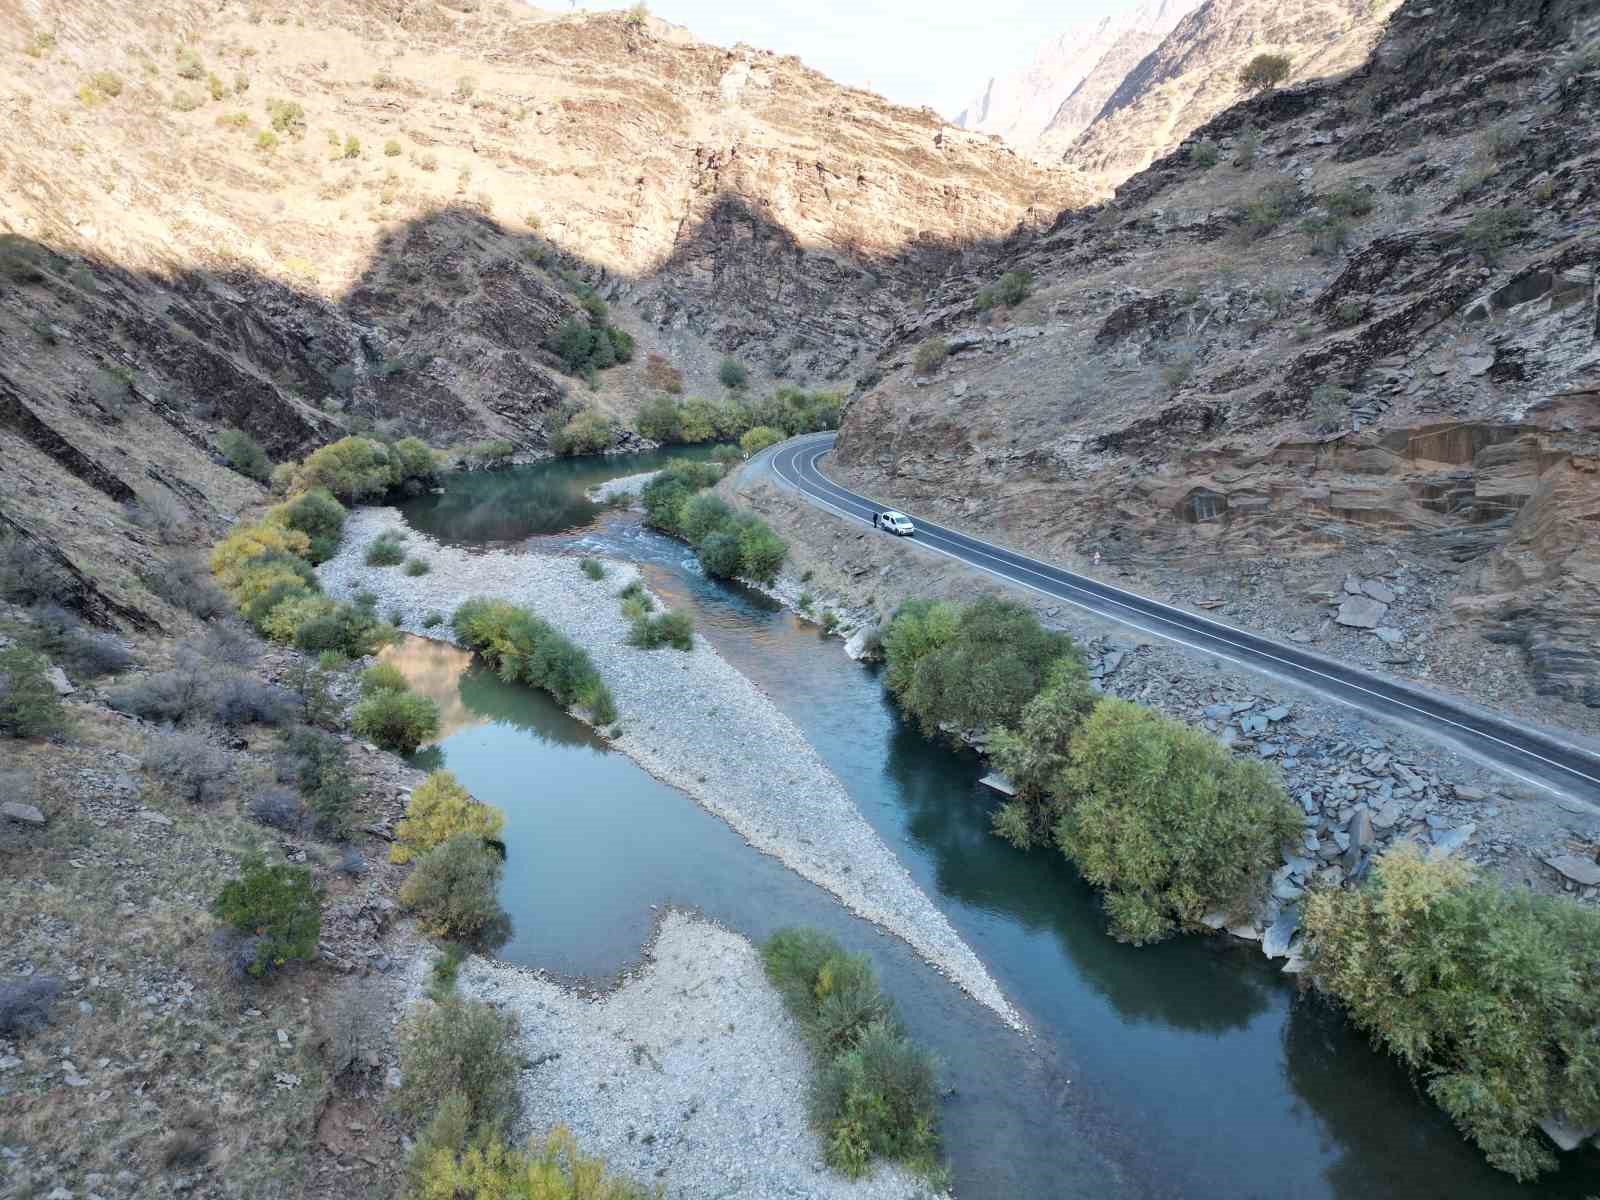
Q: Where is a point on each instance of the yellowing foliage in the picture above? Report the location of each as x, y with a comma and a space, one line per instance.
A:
440, 807
282, 622
234, 552
488, 1170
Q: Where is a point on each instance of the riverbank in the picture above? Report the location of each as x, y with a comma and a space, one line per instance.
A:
689, 1074
626, 485
689, 719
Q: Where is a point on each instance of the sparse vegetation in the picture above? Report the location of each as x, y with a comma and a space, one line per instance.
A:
1273, 205
1486, 992
662, 375
1177, 372
1204, 154
875, 1093
286, 117
930, 356
461, 1055
1330, 408
1011, 289
465, 88
1264, 72
277, 908
1491, 230
1246, 148
525, 649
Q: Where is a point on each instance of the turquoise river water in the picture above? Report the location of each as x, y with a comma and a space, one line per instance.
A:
1192, 1069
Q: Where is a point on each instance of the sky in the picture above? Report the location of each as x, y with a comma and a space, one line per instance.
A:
937, 52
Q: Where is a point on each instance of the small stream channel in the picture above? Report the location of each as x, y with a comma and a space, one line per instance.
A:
1186, 1070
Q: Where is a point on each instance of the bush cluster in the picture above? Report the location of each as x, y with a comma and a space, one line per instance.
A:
83, 653
522, 648
439, 809
590, 343
587, 431
788, 410
875, 1092
386, 550
555, 1169
355, 468
266, 570
1272, 206
754, 441
1167, 821
675, 629
459, 1065
731, 545
278, 907
968, 667
930, 355
319, 516
1486, 992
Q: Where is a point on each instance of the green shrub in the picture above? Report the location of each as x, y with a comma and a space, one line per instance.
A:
524, 649
385, 550
286, 116
731, 373
675, 629
391, 149
1273, 205
1264, 72
432, 618
29, 705
439, 809
398, 721
1487, 992
1247, 147
460, 1048
701, 516
761, 551
453, 888
930, 355
754, 441
874, 1094
1036, 752
278, 906
593, 568
494, 452
1350, 199
587, 432
1492, 229
317, 515
244, 454
266, 141
971, 667
320, 767
418, 566
1204, 154
383, 677
1170, 824
1325, 235
352, 147
592, 345
358, 468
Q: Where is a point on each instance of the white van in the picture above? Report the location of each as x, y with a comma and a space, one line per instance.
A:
895, 522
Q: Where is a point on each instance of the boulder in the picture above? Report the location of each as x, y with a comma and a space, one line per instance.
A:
1446, 842
1275, 941
1361, 612
1361, 835
26, 813
1567, 1137
58, 680
1577, 868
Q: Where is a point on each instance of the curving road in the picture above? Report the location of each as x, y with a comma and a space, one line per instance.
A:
1532, 755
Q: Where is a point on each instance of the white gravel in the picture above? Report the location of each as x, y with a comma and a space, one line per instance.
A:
691, 720
625, 485
690, 1075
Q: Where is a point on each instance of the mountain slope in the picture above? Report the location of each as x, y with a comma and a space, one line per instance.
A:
1367, 345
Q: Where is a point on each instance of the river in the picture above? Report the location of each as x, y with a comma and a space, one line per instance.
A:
1193, 1069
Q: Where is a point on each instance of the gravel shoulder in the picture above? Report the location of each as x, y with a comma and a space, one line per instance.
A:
690, 1074
691, 720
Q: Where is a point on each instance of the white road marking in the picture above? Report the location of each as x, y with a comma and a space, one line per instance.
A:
1212, 630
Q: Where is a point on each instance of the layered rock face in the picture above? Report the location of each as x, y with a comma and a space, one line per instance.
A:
1364, 341
374, 213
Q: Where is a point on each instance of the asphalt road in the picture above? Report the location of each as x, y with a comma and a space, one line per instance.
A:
1535, 756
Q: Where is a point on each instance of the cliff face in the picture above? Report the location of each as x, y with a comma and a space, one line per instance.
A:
1366, 344
373, 213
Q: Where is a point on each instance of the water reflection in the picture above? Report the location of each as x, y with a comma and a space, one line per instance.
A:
486, 507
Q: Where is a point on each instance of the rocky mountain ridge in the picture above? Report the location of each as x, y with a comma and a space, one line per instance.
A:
1349, 327
374, 214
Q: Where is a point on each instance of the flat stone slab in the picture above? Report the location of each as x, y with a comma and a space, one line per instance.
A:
1389, 636
58, 680
999, 783
1379, 592
1361, 612
1352, 585
1447, 842
1576, 868
26, 813
1275, 941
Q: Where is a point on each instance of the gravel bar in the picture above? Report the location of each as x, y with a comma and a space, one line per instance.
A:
625, 485
691, 720
690, 1074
